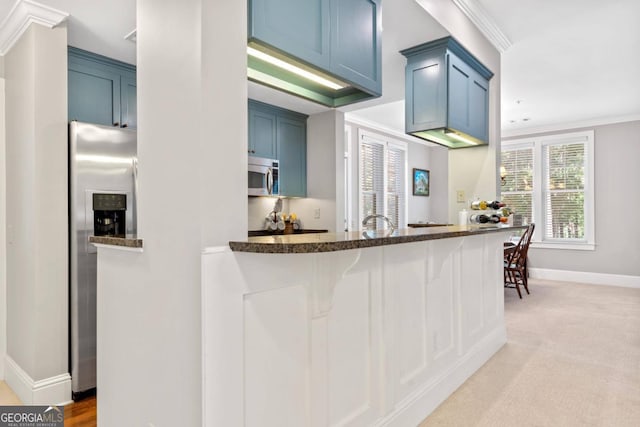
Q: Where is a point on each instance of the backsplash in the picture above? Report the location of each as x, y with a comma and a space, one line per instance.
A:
259, 208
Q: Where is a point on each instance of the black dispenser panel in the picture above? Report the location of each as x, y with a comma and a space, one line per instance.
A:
109, 214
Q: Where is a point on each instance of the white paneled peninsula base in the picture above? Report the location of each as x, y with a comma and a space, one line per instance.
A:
371, 336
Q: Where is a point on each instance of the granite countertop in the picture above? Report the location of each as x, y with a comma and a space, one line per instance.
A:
259, 233
129, 241
330, 242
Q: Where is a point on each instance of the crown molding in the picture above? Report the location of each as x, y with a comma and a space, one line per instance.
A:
512, 133
23, 14
485, 23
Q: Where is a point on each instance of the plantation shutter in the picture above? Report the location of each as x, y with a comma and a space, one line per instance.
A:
382, 181
563, 190
371, 177
517, 186
396, 188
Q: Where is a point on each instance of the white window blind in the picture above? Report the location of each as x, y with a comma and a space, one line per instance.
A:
517, 187
563, 190
556, 173
382, 180
371, 178
396, 173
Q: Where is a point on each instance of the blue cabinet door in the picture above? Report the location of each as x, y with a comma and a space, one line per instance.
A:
468, 99
299, 28
101, 90
356, 46
426, 93
262, 133
128, 100
94, 94
292, 150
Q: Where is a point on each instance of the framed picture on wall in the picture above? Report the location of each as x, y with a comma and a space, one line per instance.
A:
420, 182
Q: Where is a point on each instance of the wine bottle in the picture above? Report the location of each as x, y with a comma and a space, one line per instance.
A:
495, 204
504, 211
479, 218
484, 219
478, 205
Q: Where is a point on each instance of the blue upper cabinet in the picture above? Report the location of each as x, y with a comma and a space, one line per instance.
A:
355, 43
292, 154
128, 100
276, 133
339, 42
447, 95
299, 28
101, 90
262, 131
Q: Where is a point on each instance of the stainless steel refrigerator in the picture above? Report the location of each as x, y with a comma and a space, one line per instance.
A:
102, 163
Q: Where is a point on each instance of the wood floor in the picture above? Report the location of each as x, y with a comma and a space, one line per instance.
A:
81, 413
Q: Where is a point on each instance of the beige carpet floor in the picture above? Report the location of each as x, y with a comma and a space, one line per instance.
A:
572, 358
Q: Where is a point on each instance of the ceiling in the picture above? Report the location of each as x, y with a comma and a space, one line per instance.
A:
568, 61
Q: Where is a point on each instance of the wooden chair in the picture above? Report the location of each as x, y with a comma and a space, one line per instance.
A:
515, 263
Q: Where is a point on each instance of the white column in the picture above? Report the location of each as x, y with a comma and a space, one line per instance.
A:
36, 216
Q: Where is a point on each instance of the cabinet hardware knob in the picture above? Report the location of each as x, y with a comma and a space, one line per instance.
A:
116, 124
125, 125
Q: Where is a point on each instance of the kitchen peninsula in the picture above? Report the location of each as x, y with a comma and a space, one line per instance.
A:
348, 328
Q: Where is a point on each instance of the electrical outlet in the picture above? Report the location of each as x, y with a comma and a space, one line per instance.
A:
316, 213
460, 196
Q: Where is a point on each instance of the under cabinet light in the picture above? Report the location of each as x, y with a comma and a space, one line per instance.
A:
459, 137
292, 68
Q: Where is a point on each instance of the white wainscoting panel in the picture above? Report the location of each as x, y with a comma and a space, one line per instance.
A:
276, 357
365, 337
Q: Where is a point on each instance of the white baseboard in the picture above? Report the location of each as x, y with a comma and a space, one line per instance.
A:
586, 277
414, 409
49, 391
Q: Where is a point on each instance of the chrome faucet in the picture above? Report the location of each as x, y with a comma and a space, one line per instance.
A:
370, 217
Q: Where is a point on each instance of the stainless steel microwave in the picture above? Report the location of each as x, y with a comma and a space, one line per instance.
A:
263, 177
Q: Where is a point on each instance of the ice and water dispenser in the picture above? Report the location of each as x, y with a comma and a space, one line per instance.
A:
109, 214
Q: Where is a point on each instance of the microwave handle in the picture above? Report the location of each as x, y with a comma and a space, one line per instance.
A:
269, 181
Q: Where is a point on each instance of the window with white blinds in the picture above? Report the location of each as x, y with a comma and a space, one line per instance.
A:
382, 179
517, 186
563, 190
550, 180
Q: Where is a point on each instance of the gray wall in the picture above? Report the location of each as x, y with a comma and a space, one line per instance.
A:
36, 202
617, 205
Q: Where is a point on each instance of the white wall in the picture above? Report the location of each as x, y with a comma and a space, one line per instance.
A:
3, 240
192, 146
36, 206
472, 170
434, 207
325, 151
617, 204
